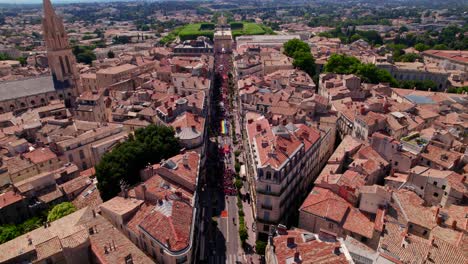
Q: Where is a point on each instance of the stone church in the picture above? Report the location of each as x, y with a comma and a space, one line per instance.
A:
63, 83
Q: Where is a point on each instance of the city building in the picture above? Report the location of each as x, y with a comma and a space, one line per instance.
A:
286, 161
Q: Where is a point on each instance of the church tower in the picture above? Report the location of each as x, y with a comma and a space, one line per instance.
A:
62, 62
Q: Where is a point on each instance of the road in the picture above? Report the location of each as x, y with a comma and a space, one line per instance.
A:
221, 243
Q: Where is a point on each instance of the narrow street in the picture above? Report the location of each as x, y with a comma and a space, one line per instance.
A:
221, 242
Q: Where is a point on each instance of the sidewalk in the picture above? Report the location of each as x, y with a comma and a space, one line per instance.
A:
251, 257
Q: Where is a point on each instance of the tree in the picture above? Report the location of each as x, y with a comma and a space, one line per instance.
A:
150, 145
440, 47
295, 45
84, 54
60, 210
300, 52
110, 54
8, 232
421, 47
121, 40
409, 57
31, 224
342, 64
304, 61
4, 56
23, 61
260, 247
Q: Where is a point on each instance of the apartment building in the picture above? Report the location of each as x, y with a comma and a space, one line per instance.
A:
160, 215
285, 160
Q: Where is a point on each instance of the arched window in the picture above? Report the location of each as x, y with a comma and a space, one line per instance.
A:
42, 101
33, 102
69, 94
51, 98
61, 96
61, 65
12, 107
23, 105
68, 64
1, 109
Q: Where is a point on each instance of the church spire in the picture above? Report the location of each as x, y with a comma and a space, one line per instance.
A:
48, 9
54, 32
62, 62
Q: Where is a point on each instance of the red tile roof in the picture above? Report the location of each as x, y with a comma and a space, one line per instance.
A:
40, 155
313, 251
8, 198
324, 203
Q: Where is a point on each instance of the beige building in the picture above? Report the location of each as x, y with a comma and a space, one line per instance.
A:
89, 81
223, 40
86, 149
447, 59
91, 106
286, 161
112, 75
437, 187
83, 237
166, 198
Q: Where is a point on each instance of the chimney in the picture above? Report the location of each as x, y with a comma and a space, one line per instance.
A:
297, 257
168, 244
454, 225
259, 127
185, 160
290, 242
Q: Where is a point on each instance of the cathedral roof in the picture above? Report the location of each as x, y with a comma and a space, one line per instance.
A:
26, 87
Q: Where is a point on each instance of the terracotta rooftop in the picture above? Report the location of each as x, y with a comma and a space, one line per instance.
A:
413, 210
40, 155
445, 159
309, 249
9, 197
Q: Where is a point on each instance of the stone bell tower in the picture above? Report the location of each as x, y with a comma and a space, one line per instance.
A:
62, 62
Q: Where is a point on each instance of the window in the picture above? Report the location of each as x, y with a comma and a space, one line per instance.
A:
85, 166
445, 193
443, 187
330, 225
268, 175
266, 215
68, 64
424, 232
266, 228
436, 194
268, 188
435, 183
82, 156
70, 157
61, 65
396, 163
181, 260
422, 188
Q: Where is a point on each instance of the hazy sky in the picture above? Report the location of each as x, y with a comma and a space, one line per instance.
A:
53, 1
